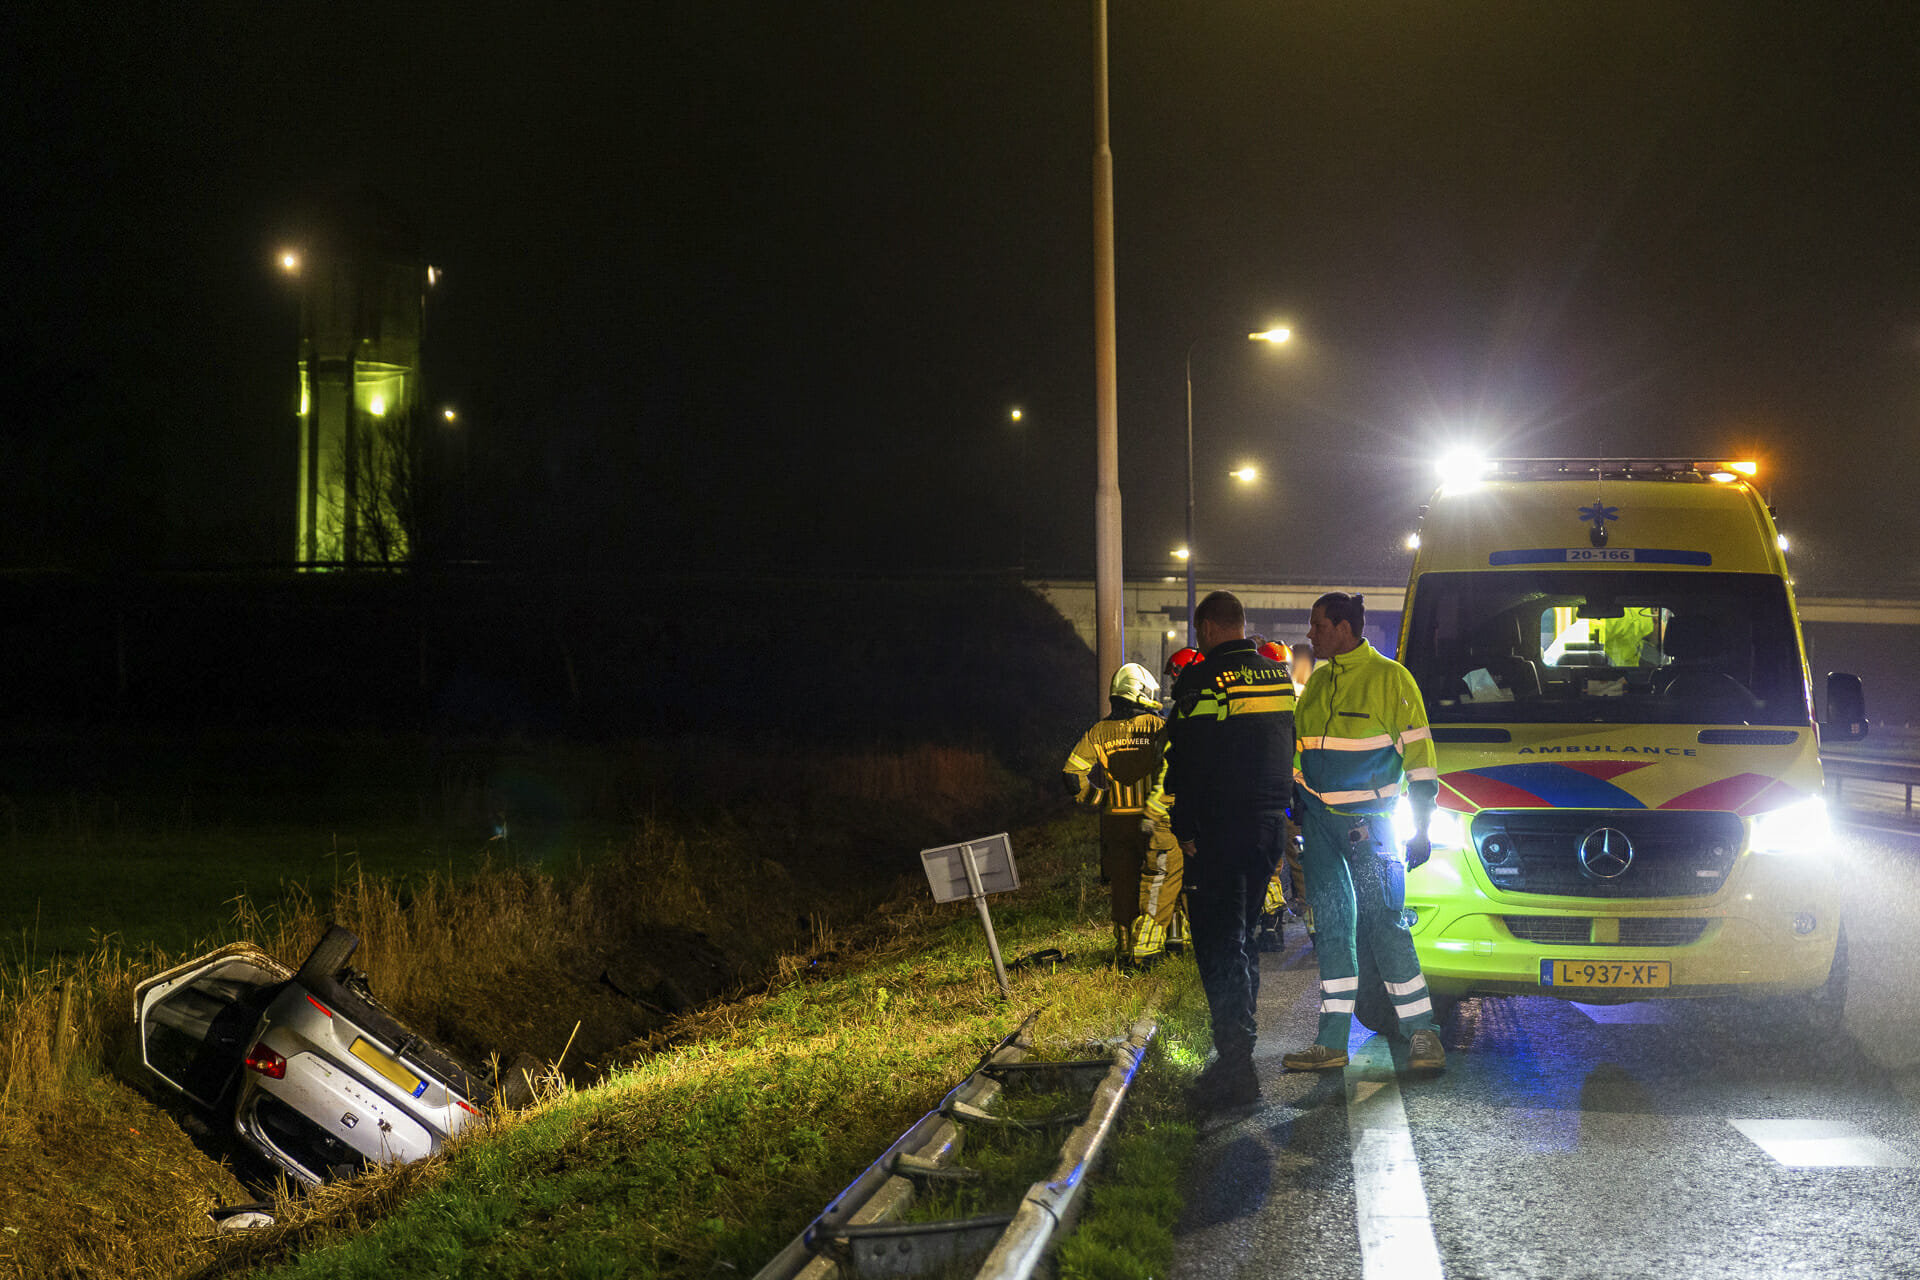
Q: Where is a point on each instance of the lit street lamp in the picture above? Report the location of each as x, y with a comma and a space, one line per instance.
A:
1275, 336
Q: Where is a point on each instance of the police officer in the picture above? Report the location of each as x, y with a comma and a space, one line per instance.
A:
1363, 727
1230, 763
1287, 884
1119, 765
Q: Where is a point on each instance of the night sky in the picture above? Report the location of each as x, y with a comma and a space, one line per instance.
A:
755, 285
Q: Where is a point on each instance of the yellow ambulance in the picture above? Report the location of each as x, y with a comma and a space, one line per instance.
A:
1631, 804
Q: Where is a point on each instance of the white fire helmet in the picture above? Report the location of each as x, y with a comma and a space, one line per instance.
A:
1134, 683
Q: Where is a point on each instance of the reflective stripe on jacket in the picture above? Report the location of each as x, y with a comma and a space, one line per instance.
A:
1119, 764
1230, 744
1362, 725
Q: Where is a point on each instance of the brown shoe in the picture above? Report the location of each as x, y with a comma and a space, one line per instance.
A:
1315, 1057
1425, 1052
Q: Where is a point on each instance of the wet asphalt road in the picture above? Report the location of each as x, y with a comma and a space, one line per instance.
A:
1670, 1139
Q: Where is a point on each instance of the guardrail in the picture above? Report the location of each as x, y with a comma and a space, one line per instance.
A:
1051, 1206
1901, 773
859, 1234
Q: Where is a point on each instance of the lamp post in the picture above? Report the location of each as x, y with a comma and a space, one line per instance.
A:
1275, 336
1017, 416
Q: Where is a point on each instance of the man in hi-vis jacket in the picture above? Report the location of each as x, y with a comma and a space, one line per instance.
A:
1362, 730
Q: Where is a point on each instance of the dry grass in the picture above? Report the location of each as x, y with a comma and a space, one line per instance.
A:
54, 1031
503, 961
702, 1158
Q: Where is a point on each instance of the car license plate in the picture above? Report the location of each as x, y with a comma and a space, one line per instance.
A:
389, 1067
1638, 974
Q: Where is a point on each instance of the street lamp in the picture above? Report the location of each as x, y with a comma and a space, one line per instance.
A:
1276, 336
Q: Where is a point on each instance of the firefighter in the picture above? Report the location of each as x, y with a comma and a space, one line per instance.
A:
1363, 730
1177, 661
1231, 748
1119, 766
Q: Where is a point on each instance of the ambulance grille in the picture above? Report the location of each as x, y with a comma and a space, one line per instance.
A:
1661, 931
1575, 929
1676, 853
1635, 931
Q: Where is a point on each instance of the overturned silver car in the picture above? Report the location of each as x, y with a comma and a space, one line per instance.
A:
319, 1077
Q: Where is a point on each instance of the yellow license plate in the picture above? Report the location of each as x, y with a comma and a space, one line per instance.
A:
1612, 975
387, 1066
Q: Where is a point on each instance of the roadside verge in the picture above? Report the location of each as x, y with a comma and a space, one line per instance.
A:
707, 1151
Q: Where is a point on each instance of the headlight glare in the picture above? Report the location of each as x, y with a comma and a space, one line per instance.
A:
1799, 828
1445, 829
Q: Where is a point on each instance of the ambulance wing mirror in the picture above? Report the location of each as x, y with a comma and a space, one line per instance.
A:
1846, 709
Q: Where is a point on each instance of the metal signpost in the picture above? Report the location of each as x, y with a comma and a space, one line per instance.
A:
974, 869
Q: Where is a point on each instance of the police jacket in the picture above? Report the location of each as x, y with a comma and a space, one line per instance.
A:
1120, 764
1230, 743
1362, 727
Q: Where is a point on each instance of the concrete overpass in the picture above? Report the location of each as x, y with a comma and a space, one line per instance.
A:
1876, 637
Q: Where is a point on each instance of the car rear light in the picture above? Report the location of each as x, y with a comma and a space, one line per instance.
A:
466, 1107
267, 1062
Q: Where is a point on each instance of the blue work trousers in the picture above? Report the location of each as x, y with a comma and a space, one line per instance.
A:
1352, 909
1226, 888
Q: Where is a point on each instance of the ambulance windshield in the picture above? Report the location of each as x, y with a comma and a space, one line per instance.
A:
1606, 646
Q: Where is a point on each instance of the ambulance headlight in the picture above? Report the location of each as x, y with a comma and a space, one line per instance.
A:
1445, 830
1798, 828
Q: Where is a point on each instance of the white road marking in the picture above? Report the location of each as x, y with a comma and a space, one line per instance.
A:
1814, 1144
1396, 1230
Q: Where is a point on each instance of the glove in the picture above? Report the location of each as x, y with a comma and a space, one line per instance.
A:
1147, 826
1419, 849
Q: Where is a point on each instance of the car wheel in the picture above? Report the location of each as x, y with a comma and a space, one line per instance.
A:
328, 957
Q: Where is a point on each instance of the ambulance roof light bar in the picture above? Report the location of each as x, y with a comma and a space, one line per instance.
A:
1694, 469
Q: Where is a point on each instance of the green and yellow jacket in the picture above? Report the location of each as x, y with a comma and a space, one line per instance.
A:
1363, 727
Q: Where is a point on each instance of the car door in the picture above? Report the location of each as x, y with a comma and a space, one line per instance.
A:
197, 1019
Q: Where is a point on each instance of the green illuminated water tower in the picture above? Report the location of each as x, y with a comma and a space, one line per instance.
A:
362, 285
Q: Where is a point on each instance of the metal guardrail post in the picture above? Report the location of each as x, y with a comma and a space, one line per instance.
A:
880, 1192
1051, 1206
1900, 773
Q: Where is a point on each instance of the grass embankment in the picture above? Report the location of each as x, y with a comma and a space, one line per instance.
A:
708, 1155
96, 1181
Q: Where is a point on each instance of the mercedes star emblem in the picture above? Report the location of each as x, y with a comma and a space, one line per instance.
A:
1606, 853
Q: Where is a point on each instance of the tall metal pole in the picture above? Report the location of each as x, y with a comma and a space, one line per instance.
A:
1107, 584
1192, 636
